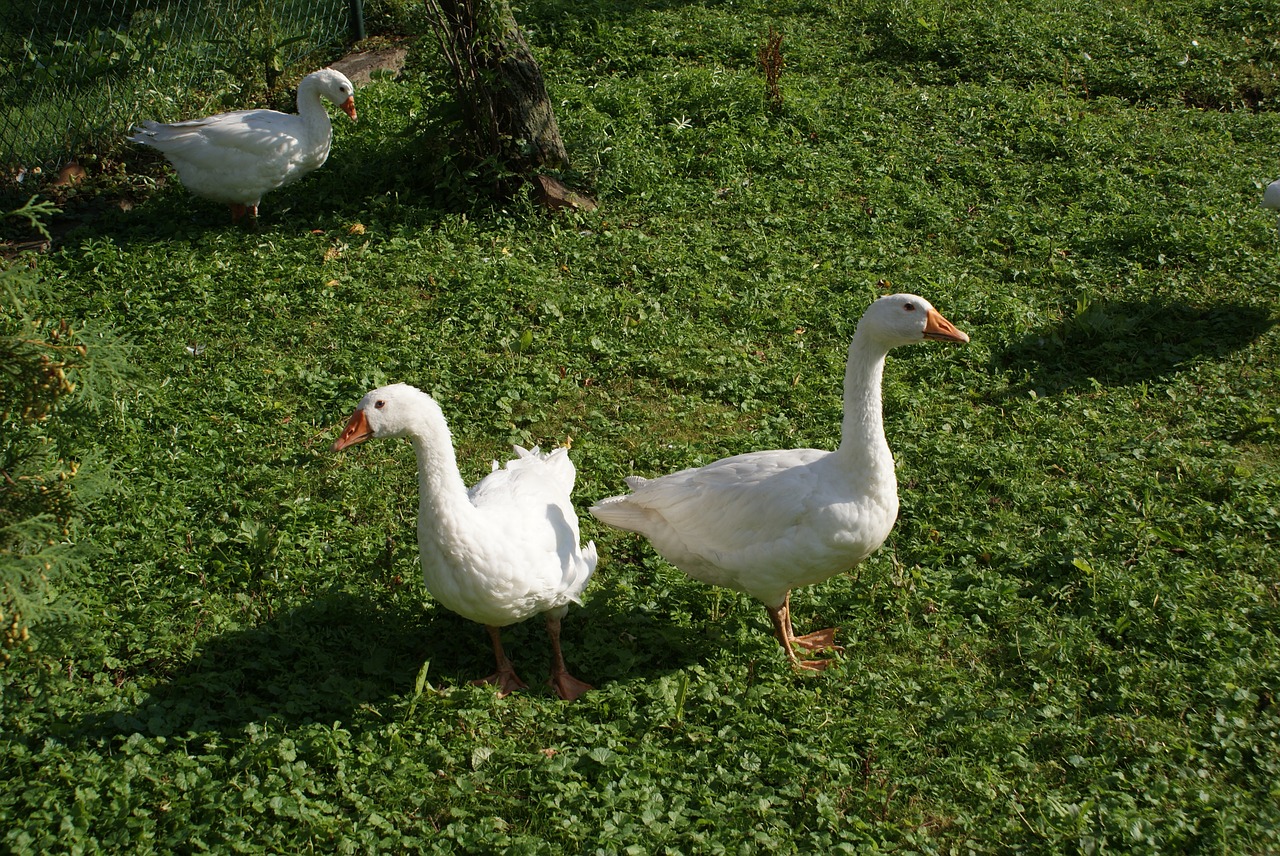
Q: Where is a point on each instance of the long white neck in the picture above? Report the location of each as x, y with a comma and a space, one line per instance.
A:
442, 494
862, 441
314, 115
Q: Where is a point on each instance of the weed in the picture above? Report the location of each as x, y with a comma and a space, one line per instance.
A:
771, 64
1068, 642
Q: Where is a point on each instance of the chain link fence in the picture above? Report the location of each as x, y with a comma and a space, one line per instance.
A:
76, 74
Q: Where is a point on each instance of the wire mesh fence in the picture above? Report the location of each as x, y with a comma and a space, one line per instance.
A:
74, 73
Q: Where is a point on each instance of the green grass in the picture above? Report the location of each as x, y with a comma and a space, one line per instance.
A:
1068, 644
77, 79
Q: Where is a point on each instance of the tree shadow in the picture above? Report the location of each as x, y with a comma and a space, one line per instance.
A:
397, 179
603, 10
1123, 342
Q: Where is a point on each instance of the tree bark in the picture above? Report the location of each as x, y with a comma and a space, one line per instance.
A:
522, 105
499, 85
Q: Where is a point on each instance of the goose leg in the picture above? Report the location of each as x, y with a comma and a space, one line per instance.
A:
505, 679
238, 212
566, 685
820, 640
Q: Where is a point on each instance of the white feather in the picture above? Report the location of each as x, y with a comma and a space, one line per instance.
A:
507, 548
767, 522
235, 158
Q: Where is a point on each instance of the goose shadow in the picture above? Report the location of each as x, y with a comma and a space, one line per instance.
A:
621, 634
1125, 342
317, 662
324, 660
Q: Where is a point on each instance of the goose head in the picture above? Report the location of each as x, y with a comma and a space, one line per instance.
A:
335, 86
389, 411
901, 319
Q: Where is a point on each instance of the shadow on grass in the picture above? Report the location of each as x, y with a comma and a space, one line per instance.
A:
315, 663
1117, 343
323, 661
394, 180
619, 636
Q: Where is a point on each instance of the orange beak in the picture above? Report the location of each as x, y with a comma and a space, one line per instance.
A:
357, 431
349, 107
939, 328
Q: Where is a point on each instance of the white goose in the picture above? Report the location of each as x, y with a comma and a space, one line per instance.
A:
235, 158
764, 523
1271, 198
503, 551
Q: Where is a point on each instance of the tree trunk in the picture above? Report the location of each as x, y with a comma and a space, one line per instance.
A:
499, 85
523, 107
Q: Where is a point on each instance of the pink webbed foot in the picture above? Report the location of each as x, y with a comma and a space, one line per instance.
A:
568, 687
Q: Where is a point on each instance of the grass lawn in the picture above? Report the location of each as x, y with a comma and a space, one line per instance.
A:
1070, 642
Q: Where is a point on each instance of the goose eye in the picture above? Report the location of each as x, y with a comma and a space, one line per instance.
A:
378, 404
909, 307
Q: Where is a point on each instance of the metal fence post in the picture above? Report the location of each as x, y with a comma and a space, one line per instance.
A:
357, 19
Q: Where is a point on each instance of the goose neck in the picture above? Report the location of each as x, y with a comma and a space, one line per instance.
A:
862, 431
312, 110
440, 483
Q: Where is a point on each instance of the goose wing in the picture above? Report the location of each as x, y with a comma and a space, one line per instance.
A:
528, 504
724, 507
